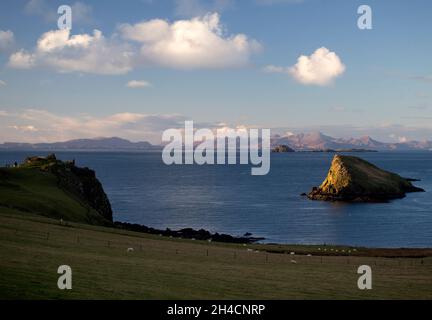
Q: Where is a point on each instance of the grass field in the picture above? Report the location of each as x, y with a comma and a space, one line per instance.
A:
33, 247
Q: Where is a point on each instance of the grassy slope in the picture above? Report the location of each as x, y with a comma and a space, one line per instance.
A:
32, 248
33, 191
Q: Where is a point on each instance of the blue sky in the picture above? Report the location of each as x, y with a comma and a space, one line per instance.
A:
366, 82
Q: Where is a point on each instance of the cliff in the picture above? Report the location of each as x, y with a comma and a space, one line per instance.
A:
54, 188
354, 179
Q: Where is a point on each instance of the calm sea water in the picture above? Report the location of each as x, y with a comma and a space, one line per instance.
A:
228, 199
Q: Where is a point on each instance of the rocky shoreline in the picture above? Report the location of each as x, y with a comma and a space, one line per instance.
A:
189, 233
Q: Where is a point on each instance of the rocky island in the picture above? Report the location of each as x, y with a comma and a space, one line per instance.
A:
282, 149
353, 179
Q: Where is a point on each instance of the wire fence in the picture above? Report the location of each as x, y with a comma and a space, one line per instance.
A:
142, 247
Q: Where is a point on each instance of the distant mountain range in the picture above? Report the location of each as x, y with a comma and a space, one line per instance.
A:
299, 142
320, 141
108, 144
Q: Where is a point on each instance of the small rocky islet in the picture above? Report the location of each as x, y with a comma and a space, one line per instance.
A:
352, 179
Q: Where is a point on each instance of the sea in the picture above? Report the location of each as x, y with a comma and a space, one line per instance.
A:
228, 199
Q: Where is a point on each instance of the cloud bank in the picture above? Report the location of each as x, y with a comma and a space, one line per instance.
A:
34, 125
85, 53
184, 44
190, 44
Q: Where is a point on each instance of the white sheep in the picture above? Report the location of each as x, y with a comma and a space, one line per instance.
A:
292, 253
130, 250
293, 261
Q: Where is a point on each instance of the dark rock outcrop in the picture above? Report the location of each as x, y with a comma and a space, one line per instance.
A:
282, 149
354, 179
189, 233
81, 182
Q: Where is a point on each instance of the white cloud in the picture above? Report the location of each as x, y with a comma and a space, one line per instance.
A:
86, 53
185, 44
138, 84
7, 40
189, 44
22, 60
320, 68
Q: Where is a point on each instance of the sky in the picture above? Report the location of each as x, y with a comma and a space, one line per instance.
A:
135, 68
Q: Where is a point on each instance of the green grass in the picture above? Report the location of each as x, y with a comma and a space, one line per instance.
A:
30, 190
33, 247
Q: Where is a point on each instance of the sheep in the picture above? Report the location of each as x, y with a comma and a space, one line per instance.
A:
292, 253
293, 262
130, 250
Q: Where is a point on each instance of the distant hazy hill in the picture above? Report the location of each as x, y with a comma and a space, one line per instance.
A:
298, 142
114, 144
319, 141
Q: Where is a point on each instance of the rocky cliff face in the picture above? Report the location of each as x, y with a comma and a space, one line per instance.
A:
354, 179
81, 182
